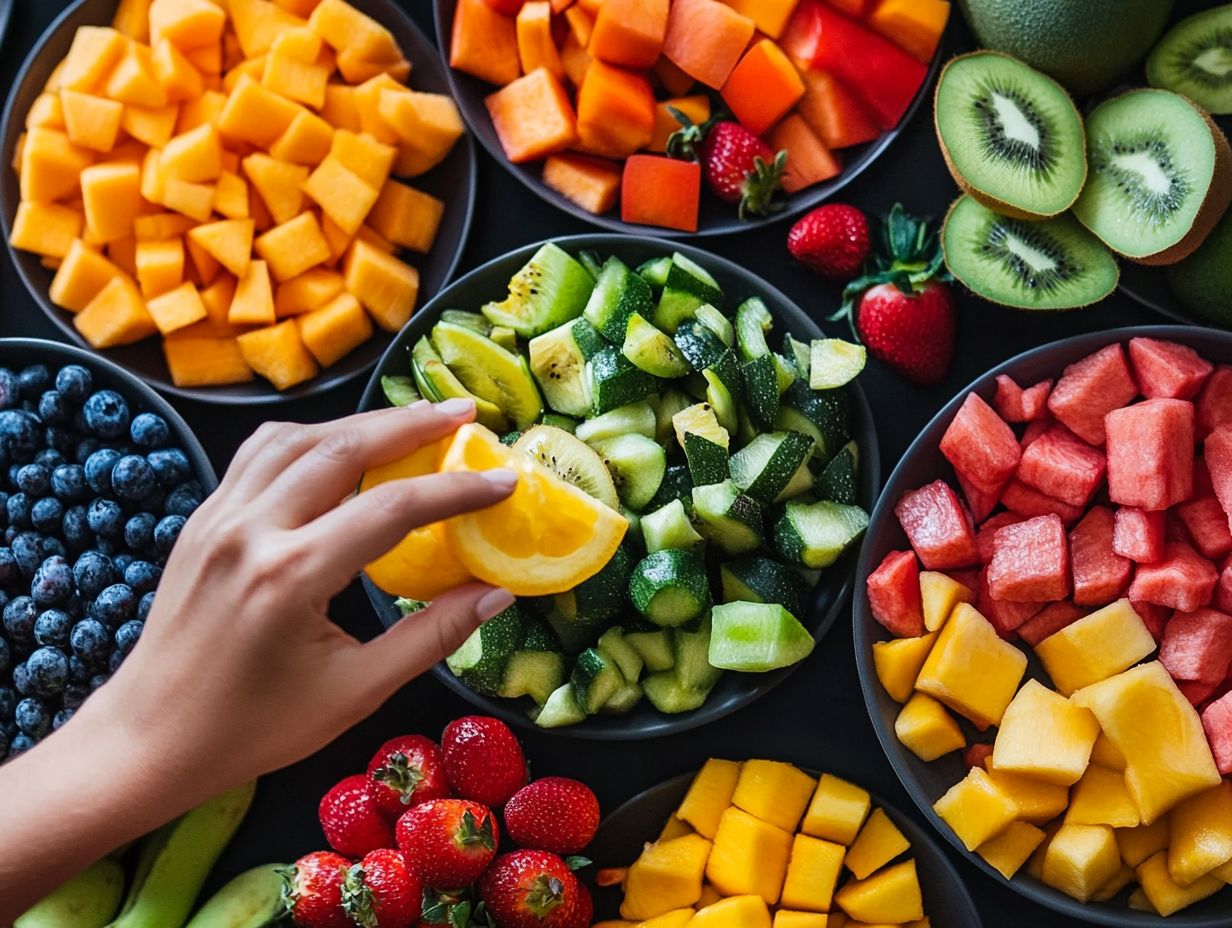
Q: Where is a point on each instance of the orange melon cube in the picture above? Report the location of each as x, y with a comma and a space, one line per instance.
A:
406, 216
809, 162
338, 240
357, 69
675, 81
253, 303
132, 18
123, 254
257, 209
94, 52
374, 238
46, 112
705, 39
308, 292
295, 80
344, 27
342, 195
293, 247
91, 122
153, 182
307, 141
206, 108
111, 194
427, 125
116, 316
195, 157
178, 77
45, 229
195, 200
591, 183
250, 68
616, 111
231, 196
160, 266
207, 61
186, 23
300, 44
913, 25
279, 183
258, 23
484, 43
581, 25
301, 8
532, 117
177, 308
770, 16
536, 45
228, 241
630, 33
278, 354
660, 191
51, 166
153, 127
385, 286
217, 299
335, 330
205, 266
132, 79
574, 59
205, 361
80, 277
368, 102
365, 157
764, 86
340, 109
696, 108
255, 114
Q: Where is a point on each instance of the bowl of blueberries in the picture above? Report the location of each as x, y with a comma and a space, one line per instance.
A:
98, 475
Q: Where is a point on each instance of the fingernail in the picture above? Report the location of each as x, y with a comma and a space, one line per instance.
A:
454, 408
494, 603
501, 479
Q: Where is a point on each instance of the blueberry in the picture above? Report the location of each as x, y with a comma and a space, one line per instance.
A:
94, 572
48, 668
68, 482
50, 546
105, 517
61, 717
53, 407
98, 680
133, 478
166, 532
142, 576
149, 430
20, 433
6, 655
8, 702
51, 628
76, 528
32, 717
49, 458
171, 465
144, 606
121, 561
8, 567
89, 640
139, 530
98, 469
53, 582
75, 694
107, 546
18, 507
19, 745
85, 449
78, 670
19, 616
46, 514
28, 551
33, 380
10, 533
10, 394
184, 499
75, 382
21, 680
106, 414
33, 479
115, 605
59, 439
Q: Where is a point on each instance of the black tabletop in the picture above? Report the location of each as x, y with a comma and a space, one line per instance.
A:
817, 718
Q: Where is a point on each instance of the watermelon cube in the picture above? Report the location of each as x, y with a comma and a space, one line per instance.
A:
1030, 561
1005, 616
1035, 401
1154, 617
1207, 525
1196, 691
968, 578
1217, 721
1028, 501
1223, 588
1090, 389
1100, 574
938, 527
1048, 621
1218, 458
1183, 580
981, 446
894, 595
987, 531
1166, 369
1138, 534
980, 503
1014, 404
976, 755
1198, 646
1214, 403
1151, 454
1063, 466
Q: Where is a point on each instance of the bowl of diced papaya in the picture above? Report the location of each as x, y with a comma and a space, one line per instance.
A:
238, 203
580, 100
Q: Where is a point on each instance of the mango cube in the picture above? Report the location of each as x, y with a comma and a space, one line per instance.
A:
1095, 647
674, 828
667, 876
677, 918
878, 843
334, 331
132, 80
195, 157
45, 228
51, 166
193, 200
94, 52
307, 140
406, 216
1038, 801
160, 266
309, 291
1045, 735
342, 194
279, 183
91, 122
204, 264
205, 361
1164, 895
365, 157
1201, 834
1106, 755
898, 662
116, 316
1102, 798
385, 286
428, 125
153, 127
1007, 852
278, 354
255, 114
891, 896
229, 241
179, 78
1080, 859
976, 808
1124, 877
300, 81
785, 918
749, 857
927, 729
837, 811
812, 874
1138, 844
775, 792
734, 912
177, 308
253, 303
231, 198
293, 247
709, 795
941, 594
186, 23
81, 275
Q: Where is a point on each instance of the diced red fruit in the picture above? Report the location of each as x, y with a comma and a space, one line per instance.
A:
1063, 466
659, 191
1166, 369
1198, 646
981, 446
1196, 691
894, 595
1014, 404
1214, 403
1207, 525
988, 531
968, 578
1223, 588
1218, 458
1151, 454
1090, 389
1030, 502
1154, 617
1034, 430
1005, 616
981, 503
1217, 720
836, 115
1030, 561
1138, 534
1048, 621
976, 755
1183, 580
1035, 401
938, 527
1101, 575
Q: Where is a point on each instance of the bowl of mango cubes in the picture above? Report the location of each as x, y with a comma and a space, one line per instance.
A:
238, 203
1044, 624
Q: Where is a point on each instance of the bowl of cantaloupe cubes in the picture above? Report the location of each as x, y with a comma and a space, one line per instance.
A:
1044, 633
239, 202
765, 844
580, 99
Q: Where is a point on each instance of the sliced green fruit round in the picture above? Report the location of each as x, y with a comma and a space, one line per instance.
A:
757, 637
1054, 264
489, 371
570, 459
1011, 136
549, 290
1203, 281
1194, 58
1161, 176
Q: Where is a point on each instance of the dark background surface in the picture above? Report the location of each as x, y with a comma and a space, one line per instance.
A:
817, 718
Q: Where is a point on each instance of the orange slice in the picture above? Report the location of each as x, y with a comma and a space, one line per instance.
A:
546, 538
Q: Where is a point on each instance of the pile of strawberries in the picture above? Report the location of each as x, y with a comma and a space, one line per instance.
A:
415, 839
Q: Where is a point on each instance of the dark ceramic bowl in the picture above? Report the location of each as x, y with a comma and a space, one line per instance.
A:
453, 181
716, 217
734, 690
922, 464
621, 836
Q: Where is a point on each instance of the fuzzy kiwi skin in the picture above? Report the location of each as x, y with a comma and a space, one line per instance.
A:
982, 196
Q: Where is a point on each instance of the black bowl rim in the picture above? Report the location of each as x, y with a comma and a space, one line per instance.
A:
324, 381
41, 349
796, 204
903, 762
915, 832
610, 729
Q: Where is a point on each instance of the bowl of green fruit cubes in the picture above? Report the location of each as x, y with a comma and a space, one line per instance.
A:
701, 403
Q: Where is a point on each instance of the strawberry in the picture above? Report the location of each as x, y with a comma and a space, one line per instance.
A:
738, 166
534, 889
381, 891
483, 760
903, 308
553, 814
448, 842
833, 240
406, 771
312, 890
352, 823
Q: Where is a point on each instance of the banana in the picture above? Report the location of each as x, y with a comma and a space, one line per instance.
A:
251, 900
88, 900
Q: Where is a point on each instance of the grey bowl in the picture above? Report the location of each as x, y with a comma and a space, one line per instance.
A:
716, 217
921, 464
735, 690
453, 181
622, 833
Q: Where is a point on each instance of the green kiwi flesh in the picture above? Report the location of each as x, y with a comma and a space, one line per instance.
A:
1203, 281
1051, 264
1195, 59
1161, 176
1011, 136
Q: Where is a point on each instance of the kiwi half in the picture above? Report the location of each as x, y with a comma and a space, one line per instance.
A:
1195, 59
1161, 176
570, 459
1046, 265
1203, 281
1011, 136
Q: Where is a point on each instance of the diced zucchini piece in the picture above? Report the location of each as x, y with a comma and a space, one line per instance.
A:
656, 648
800, 354
835, 363
757, 637
601, 598
784, 372
837, 481
595, 679
727, 518
655, 271
792, 420
618, 294
565, 423
828, 410
591, 261
717, 323
550, 289
480, 662
761, 391
490, 372
651, 350
721, 398
667, 694
635, 419
692, 649
705, 351
558, 361
462, 317
666, 405
613, 644
670, 587
764, 580
560, 709
677, 485
687, 287
753, 321
400, 391
708, 462
816, 535
536, 674
669, 527
615, 382
623, 700
764, 468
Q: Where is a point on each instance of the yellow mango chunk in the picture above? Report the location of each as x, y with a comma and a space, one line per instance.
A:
1201, 834
312, 290
734, 912
889, 897
1137, 844
677, 918
254, 298
878, 843
112, 197
255, 114
428, 125
293, 247
1102, 798
1095, 647
80, 277
160, 266
217, 299
1109, 890
343, 26
1038, 801
976, 808
812, 874
116, 316
334, 331
1106, 755
785, 918
229, 241
132, 18
898, 662
186, 23
279, 183
45, 229
667, 876
385, 286
306, 142
46, 112
340, 109
775, 792
94, 52
709, 795
194, 157
91, 122
159, 227
1080, 859
296, 80
674, 828
749, 857
153, 127
278, 354
177, 308
406, 216
178, 77
941, 594
204, 264
364, 156
927, 730
1045, 735
132, 80
193, 200
231, 196
971, 669
1007, 852
51, 166
258, 25
342, 195
1164, 895
206, 108
837, 811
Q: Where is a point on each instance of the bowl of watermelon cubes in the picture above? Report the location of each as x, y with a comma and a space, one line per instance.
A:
1044, 624
582, 101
